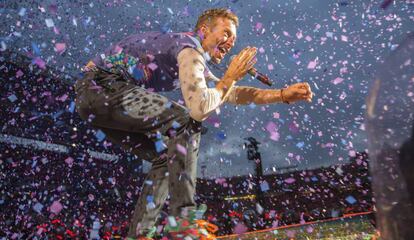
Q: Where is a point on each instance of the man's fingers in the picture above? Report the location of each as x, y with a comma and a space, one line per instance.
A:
251, 64
302, 91
249, 56
240, 57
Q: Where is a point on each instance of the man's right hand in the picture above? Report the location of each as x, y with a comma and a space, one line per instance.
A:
240, 64
238, 67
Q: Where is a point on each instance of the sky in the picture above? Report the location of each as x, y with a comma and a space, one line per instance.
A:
335, 46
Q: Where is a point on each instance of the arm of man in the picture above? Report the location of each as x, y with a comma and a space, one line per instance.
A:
244, 95
200, 99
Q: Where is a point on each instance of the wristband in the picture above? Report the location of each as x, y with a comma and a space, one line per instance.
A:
281, 95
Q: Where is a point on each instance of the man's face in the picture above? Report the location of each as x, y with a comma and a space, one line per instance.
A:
218, 38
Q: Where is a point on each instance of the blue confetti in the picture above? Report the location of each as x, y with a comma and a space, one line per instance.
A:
168, 104
334, 213
57, 114
100, 135
72, 107
38, 207
166, 28
221, 135
137, 73
300, 145
22, 12
350, 199
264, 186
159, 146
150, 198
36, 49
175, 125
12, 98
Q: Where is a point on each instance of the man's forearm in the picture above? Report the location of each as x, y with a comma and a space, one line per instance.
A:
224, 86
246, 95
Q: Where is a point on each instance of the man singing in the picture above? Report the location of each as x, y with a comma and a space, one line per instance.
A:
118, 94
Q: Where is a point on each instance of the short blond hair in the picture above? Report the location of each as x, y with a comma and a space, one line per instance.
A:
209, 16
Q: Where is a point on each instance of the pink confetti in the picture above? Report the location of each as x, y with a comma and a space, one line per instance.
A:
240, 228
259, 26
91, 197
299, 35
352, 153
271, 126
290, 233
118, 49
60, 47
290, 180
19, 73
39, 62
286, 34
56, 30
181, 149
294, 127
330, 110
312, 64
276, 115
62, 98
337, 80
261, 50
344, 38
270, 67
46, 93
56, 207
152, 66
275, 136
69, 161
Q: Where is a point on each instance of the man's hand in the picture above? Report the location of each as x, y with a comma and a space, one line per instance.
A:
238, 67
240, 64
297, 92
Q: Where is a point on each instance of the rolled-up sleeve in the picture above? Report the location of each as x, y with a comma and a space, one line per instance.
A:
231, 96
199, 99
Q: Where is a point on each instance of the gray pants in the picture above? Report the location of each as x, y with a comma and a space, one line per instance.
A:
154, 129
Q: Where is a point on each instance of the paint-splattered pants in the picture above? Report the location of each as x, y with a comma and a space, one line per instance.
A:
154, 129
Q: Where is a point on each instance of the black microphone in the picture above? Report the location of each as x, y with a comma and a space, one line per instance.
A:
256, 74
260, 76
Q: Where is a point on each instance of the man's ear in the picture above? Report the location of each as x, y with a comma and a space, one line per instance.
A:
204, 30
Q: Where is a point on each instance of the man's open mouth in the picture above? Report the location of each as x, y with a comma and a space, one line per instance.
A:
223, 50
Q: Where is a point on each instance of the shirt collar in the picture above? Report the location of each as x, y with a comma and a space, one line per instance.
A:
197, 42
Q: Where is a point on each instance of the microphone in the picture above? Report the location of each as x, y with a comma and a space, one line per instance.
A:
260, 76
256, 74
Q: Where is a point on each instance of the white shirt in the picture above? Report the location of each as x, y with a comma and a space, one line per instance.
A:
199, 99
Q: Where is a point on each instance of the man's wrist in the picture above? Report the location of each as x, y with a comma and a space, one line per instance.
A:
224, 85
282, 97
